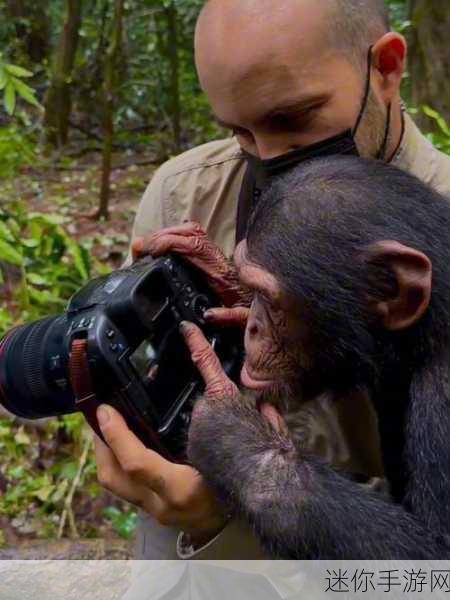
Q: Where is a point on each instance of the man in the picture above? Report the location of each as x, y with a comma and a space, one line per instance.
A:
322, 76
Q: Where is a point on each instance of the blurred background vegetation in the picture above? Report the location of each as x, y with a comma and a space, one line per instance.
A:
94, 95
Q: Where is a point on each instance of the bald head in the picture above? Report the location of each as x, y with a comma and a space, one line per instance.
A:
287, 73
350, 26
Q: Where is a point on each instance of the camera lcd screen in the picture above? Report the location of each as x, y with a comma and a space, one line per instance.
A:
165, 368
143, 358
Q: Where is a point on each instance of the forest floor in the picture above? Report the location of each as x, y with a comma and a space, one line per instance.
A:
73, 193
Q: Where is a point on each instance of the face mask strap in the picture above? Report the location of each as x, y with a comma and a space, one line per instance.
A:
382, 151
366, 92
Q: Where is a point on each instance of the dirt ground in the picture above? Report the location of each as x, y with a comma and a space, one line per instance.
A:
73, 192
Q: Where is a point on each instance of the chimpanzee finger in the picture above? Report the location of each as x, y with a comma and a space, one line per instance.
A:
141, 245
202, 354
197, 250
186, 229
273, 416
228, 317
171, 242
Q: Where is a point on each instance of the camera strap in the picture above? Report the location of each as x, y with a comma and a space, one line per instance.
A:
83, 389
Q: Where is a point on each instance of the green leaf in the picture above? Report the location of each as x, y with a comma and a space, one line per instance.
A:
69, 470
25, 92
50, 218
16, 472
9, 99
36, 279
124, 523
17, 71
5, 232
76, 252
9, 254
433, 114
30, 243
44, 492
60, 491
3, 78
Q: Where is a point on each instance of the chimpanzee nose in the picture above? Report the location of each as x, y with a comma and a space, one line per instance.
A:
252, 329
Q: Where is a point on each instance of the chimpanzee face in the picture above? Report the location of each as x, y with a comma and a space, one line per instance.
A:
289, 346
276, 337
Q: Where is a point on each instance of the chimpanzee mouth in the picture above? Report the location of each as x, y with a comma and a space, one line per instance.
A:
253, 382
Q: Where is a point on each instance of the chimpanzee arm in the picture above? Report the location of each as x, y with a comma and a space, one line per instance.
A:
299, 507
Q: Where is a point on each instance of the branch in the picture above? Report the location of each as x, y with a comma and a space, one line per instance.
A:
68, 512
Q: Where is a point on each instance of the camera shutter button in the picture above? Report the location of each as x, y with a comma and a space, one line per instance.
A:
200, 305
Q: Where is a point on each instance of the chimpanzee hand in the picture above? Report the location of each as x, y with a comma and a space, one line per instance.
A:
191, 241
218, 386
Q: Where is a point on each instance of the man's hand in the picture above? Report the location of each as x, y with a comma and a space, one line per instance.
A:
191, 241
175, 495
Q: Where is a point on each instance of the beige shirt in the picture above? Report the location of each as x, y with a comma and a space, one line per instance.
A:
203, 185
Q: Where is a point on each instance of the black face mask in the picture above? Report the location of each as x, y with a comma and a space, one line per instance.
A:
260, 171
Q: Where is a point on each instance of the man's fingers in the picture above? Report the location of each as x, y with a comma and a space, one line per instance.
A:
111, 476
228, 317
133, 457
203, 356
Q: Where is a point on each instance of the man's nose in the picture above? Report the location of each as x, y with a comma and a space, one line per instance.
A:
272, 146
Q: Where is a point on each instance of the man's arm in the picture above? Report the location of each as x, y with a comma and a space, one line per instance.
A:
150, 214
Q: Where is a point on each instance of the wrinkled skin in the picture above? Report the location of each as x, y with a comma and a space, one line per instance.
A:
298, 506
276, 336
191, 241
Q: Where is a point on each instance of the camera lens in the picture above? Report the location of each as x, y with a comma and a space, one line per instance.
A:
33, 370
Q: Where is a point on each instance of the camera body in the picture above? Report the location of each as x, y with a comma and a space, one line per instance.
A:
119, 343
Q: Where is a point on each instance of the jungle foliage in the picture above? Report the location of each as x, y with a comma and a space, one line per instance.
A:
93, 95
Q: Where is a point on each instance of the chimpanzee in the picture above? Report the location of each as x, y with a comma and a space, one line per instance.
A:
349, 262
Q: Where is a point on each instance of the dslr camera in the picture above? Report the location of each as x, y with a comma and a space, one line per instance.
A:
119, 343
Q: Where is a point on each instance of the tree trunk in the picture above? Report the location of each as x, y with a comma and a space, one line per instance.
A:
172, 52
429, 57
32, 26
58, 99
109, 88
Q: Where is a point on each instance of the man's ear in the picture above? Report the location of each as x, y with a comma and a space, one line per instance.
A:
389, 57
413, 275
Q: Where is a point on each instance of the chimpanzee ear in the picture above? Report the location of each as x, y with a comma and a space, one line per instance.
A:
413, 273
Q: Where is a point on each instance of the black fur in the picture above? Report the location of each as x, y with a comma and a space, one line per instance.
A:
312, 229
299, 507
